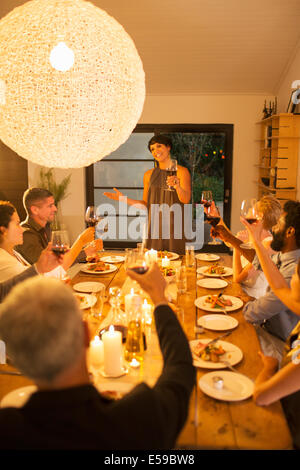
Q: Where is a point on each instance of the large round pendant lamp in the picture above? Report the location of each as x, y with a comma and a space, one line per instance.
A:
72, 85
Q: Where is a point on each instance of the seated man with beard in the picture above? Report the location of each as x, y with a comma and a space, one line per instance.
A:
275, 320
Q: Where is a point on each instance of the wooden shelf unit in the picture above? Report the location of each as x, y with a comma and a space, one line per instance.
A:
278, 156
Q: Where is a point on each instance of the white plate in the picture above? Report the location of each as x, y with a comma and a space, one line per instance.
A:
86, 300
113, 259
171, 258
207, 257
236, 387
17, 398
228, 271
85, 269
89, 287
217, 322
233, 355
212, 283
236, 304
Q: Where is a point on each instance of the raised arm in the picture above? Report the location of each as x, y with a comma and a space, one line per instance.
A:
139, 204
275, 279
182, 184
271, 386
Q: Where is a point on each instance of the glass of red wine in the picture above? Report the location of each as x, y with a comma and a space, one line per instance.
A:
250, 213
60, 242
206, 199
91, 216
213, 217
171, 171
138, 263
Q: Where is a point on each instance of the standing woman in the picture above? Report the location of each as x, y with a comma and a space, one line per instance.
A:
165, 232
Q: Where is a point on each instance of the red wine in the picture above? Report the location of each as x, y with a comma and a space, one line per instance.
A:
140, 269
206, 204
251, 220
92, 222
213, 220
60, 250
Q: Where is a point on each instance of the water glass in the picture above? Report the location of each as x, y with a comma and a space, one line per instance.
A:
181, 279
128, 256
190, 256
97, 309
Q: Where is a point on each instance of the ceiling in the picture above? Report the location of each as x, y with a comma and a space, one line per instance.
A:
208, 46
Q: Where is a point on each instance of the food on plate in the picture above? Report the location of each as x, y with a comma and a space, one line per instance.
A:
93, 258
81, 299
215, 269
162, 254
208, 352
218, 301
168, 271
99, 266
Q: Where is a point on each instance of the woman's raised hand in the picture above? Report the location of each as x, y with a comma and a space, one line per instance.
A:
116, 196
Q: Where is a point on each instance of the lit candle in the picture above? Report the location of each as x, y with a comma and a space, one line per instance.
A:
134, 363
147, 312
152, 255
128, 300
165, 262
112, 342
96, 352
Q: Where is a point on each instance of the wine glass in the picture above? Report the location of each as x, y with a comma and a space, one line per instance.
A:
139, 261
213, 217
250, 213
206, 198
119, 317
60, 242
91, 216
171, 171
93, 219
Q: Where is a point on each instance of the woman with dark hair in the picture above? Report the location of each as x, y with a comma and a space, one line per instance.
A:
165, 208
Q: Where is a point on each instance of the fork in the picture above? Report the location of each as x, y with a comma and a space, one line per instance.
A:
233, 369
227, 364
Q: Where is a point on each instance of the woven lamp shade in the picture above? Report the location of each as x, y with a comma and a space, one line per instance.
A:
72, 116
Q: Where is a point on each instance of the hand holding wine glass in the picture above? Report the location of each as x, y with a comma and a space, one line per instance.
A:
171, 172
206, 198
213, 217
250, 214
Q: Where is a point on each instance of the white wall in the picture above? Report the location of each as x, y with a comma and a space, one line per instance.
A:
243, 111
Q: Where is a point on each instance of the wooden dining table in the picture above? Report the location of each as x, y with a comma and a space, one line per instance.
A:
211, 423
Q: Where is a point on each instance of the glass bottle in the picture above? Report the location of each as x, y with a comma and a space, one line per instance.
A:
134, 348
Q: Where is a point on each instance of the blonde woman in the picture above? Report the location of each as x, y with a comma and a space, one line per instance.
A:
254, 281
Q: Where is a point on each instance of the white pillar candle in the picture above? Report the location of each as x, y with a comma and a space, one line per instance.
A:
96, 352
152, 255
128, 300
147, 312
165, 262
112, 342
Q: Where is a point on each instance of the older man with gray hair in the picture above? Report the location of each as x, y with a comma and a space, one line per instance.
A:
41, 324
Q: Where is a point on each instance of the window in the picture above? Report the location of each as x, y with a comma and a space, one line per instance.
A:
206, 150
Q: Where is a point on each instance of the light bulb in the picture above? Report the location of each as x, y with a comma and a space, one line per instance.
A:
61, 57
